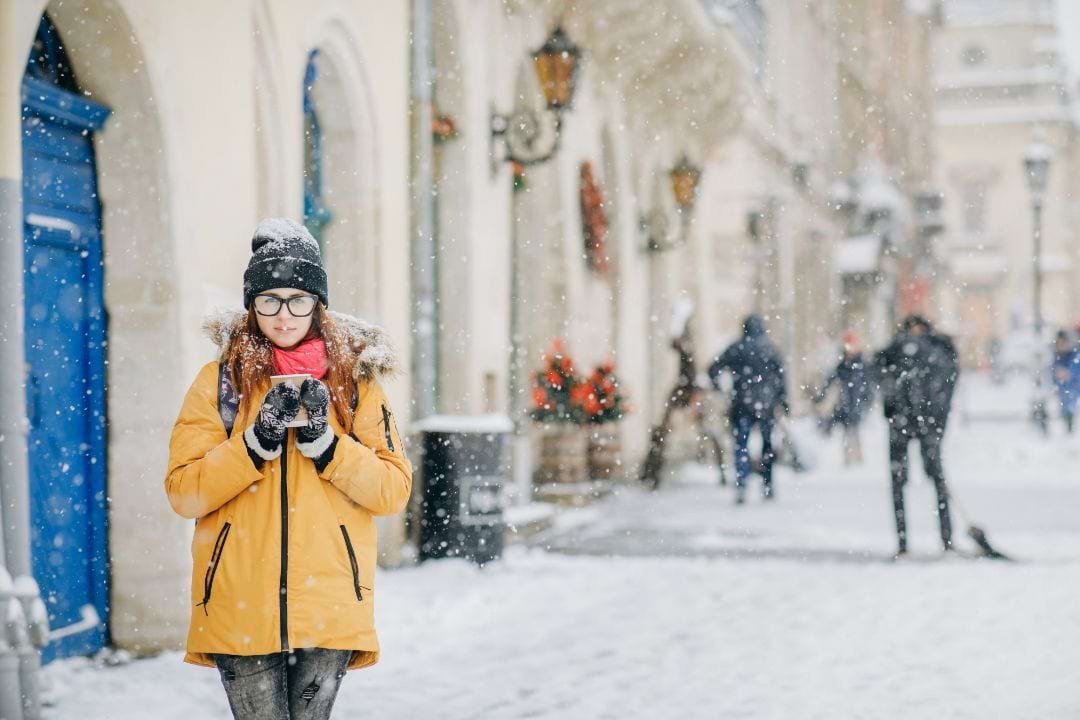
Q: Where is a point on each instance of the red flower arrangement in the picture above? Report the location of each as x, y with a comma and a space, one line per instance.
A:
443, 128
560, 396
553, 388
600, 397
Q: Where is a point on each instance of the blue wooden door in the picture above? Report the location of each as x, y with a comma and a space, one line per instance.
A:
65, 355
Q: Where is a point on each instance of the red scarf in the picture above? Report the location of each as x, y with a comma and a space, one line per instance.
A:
307, 357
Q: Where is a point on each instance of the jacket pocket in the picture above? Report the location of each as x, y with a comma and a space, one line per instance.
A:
357, 587
212, 566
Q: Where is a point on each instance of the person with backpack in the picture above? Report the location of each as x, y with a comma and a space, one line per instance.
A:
759, 392
918, 371
284, 545
855, 393
1066, 376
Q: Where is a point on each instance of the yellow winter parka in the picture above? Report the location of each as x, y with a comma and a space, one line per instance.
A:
284, 557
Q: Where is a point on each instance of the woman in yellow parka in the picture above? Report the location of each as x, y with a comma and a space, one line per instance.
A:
284, 548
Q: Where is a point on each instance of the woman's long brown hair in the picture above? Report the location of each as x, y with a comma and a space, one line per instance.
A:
250, 360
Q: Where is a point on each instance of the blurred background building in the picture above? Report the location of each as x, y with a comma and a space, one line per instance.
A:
1002, 84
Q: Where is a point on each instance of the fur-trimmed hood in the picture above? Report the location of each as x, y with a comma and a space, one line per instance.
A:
373, 354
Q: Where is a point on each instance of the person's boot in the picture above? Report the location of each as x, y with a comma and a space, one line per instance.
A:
901, 520
740, 494
944, 518
767, 492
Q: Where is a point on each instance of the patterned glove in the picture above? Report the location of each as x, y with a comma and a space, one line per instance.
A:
265, 436
317, 439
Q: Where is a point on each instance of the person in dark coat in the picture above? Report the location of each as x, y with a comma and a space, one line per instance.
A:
918, 372
855, 393
759, 391
1066, 374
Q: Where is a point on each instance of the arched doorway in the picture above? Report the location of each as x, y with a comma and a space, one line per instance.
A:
316, 213
65, 334
339, 172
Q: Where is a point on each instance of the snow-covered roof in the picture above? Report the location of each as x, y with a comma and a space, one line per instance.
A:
1022, 114
983, 13
857, 255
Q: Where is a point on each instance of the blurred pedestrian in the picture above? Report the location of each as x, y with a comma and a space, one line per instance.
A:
918, 371
284, 543
758, 393
855, 393
1066, 375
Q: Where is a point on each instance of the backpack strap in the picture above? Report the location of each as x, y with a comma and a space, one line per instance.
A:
228, 399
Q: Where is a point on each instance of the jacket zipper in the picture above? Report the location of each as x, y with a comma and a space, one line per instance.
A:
352, 561
211, 568
283, 600
386, 422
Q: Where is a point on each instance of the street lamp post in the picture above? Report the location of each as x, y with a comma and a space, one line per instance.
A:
1037, 160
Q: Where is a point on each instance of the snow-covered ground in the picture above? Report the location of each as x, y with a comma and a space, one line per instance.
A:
677, 604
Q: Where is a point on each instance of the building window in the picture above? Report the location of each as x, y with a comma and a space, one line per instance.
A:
975, 207
316, 215
974, 55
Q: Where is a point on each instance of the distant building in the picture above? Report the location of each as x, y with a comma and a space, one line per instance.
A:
1001, 83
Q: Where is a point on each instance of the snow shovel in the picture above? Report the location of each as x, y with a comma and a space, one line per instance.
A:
977, 534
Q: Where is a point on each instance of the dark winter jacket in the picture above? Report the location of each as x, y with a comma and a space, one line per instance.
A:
918, 375
1066, 375
856, 391
758, 373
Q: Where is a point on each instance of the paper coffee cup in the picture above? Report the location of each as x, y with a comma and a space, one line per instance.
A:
301, 419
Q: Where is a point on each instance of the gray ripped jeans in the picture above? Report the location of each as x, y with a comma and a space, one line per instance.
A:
298, 685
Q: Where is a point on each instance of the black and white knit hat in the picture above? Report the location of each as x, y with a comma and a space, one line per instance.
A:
284, 255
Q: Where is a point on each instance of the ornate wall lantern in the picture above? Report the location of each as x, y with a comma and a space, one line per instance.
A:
557, 62
685, 177
655, 225
532, 136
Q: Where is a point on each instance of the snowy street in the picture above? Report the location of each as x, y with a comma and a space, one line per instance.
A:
677, 604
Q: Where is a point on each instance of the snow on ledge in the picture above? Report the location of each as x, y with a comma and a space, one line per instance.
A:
485, 424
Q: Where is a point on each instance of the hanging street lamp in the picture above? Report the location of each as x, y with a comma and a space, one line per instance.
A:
1037, 159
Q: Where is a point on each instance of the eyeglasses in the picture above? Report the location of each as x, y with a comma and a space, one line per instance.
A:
299, 305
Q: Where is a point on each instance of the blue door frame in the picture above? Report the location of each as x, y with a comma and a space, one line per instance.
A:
65, 338
316, 215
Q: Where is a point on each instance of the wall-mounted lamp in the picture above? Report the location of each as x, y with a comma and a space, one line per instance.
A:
532, 136
655, 226
685, 177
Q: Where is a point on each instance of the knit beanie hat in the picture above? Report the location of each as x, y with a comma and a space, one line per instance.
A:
284, 255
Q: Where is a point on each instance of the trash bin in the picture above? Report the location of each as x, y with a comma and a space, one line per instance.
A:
464, 475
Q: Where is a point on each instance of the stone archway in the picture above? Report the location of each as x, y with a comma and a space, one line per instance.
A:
143, 341
452, 221
270, 176
540, 288
351, 239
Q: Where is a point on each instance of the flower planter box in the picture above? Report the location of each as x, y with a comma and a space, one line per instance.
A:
604, 452
563, 456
